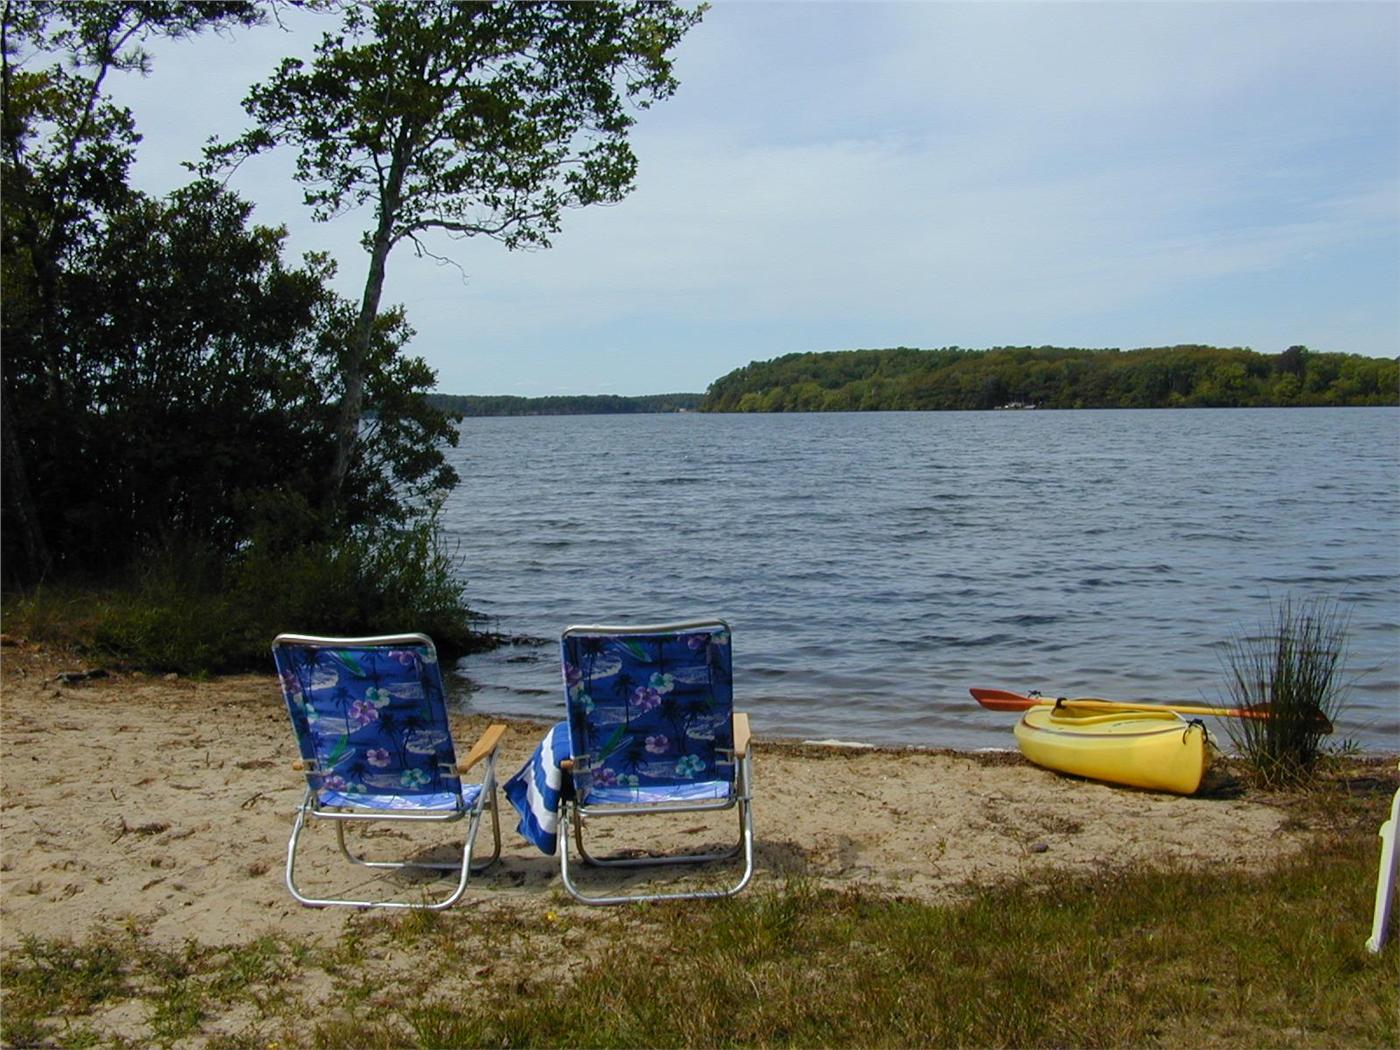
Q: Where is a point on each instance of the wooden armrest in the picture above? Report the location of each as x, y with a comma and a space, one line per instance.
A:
741, 734
299, 765
482, 747
567, 765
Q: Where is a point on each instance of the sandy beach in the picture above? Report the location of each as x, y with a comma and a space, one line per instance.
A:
167, 802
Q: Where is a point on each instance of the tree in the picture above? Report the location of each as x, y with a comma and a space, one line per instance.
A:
64, 154
1293, 361
167, 379
202, 368
204, 379
469, 119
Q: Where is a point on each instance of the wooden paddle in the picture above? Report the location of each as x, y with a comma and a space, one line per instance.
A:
1001, 700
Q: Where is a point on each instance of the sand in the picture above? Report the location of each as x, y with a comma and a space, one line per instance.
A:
166, 803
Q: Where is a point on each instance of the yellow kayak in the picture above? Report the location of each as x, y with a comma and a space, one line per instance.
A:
1157, 750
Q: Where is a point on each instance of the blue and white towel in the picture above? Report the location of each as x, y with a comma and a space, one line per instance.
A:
534, 791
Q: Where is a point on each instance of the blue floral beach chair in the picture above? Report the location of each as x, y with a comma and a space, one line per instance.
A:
652, 730
371, 724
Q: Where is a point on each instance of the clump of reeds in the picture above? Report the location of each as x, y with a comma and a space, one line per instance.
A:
1290, 675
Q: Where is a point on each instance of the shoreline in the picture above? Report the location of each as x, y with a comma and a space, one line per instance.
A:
164, 804
464, 692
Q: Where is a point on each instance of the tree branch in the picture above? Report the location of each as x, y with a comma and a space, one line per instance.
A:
423, 251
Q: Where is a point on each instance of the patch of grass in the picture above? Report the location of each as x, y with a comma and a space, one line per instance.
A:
56, 979
1125, 958
265, 961
177, 1010
48, 983
1131, 957
416, 926
183, 989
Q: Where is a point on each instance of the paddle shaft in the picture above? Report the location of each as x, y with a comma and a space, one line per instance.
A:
1001, 700
1094, 703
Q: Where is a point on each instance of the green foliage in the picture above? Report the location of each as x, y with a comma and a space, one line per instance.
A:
365, 581
180, 987
1053, 377
576, 405
1116, 959
1292, 668
153, 405
475, 119
194, 611
172, 388
74, 977
64, 156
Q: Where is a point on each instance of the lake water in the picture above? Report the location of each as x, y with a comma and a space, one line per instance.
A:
874, 566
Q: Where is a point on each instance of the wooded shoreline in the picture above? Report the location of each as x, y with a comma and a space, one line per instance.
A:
958, 379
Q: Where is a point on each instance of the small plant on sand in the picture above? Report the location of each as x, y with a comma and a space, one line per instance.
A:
1290, 672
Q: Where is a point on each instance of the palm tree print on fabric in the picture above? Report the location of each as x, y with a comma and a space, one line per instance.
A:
372, 719
648, 710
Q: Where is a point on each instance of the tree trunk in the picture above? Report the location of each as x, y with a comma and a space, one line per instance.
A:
352, 368
19, 504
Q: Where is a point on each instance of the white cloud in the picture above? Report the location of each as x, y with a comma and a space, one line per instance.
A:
840, 174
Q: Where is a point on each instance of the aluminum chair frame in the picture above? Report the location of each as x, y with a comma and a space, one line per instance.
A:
484, 752
740, 797
1385, 877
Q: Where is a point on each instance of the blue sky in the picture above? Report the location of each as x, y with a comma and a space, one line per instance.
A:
840, 175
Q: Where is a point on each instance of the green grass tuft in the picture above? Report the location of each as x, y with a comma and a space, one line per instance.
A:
1292, 669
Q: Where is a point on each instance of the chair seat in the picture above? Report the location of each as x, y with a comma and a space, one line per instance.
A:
658, 794
440, 802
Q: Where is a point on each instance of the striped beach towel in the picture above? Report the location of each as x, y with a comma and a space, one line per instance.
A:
534, 791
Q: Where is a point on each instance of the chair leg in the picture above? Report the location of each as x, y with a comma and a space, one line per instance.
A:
495, 835
465, 865
644, 862
1385, 877
745, 843
292, 852
435, 865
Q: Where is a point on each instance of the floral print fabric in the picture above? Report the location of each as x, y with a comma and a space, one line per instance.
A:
650, 715
373, 721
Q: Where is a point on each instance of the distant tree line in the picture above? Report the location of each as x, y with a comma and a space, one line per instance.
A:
1054, 377
576, 405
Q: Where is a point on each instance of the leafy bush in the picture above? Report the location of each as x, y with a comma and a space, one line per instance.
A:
363, 581
1290, 674
193, 611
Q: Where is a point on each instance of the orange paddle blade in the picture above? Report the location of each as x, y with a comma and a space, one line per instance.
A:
1001, 700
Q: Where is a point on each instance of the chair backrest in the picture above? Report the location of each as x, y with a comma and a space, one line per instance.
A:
369, 713
649, 706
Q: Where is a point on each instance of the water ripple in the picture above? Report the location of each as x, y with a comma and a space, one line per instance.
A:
876, 565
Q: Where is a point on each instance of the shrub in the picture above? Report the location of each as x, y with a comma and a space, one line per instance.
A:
194, 611
361, 581
1290, 672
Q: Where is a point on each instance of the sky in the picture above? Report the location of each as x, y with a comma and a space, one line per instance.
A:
841, 175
